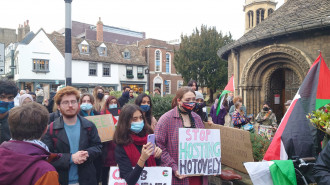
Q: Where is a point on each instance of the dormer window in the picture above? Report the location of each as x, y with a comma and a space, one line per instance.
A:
102, 49
127, 54
84, 47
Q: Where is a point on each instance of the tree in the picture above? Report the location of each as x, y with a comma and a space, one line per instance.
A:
197, 58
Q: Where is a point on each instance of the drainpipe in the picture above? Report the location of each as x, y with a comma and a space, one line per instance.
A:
12, 67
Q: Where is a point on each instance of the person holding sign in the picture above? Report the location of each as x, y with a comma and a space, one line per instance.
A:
86, 105
167, 133
132, 149
144, 102
238, 117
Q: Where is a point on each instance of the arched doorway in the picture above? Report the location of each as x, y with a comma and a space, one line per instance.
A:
158, 83
274, 73
283, 85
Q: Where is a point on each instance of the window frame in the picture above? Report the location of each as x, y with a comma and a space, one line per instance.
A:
103, 67
169, 86
89, 68
127, 55
129, 75
159, 60
99, 49
36, 66
178, 83
168, 61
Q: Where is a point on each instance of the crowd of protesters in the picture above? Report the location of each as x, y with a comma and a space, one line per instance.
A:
60, 146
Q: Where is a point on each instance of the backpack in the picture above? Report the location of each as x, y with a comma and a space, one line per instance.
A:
54, 134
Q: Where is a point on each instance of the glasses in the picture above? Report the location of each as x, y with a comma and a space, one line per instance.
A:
66, 103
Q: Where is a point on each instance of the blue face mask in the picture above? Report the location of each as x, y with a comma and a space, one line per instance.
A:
5, 106
145, 108
112, 106
86, 106
136, 127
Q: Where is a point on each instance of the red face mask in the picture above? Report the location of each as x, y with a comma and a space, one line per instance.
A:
188, 106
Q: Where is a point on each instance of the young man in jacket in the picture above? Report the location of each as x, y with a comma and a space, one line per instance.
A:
8, 91
25, 159
75, 138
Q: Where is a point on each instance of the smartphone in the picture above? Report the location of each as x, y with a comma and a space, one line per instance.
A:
151, 139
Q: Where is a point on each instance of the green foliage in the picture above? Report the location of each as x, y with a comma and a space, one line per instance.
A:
197, 58
116, 94
260, 145
160, 105
321, 118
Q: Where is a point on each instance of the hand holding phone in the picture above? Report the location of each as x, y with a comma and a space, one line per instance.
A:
151, 139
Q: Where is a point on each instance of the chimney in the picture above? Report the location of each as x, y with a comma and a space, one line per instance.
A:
99, 30
26, 28
20, 33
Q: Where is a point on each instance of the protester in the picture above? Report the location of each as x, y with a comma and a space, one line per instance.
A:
144, 102
200, 104
75, 138
98, 94
106, 94
287, 104
157, 91
33, 96
49, 103
220, 118
132, 149
54, 115
21, 92
238, 117
232, 108
131, 94
193, 84
266, 116
108, 151
40, 94
8, 91
25, 159
124, 98
86, 105
126, 88
24, 99
167, 129
16, 99
321, 169
230, 98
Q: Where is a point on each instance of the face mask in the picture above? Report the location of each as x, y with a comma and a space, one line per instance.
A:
106, 97
112, 106
199, 106
86, 106
266, 109
100, 95
145, 108
5, 106
188, 106
136, 127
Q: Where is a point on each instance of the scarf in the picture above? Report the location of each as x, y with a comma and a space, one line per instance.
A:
134, 154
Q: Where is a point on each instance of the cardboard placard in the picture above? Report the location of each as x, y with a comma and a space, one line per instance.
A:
105, 126
266, 131
236, 147
149, 176
199, 152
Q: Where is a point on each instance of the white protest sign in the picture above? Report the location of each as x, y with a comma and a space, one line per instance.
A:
149, 176
199, 152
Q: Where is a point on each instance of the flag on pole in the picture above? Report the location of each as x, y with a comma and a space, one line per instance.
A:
229, 88
296, 136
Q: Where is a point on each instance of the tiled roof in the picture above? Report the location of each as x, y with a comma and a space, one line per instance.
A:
158, 43
114, 51
113, 37
28, 37
292, 17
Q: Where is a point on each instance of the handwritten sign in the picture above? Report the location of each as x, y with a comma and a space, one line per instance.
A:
266, 131
149, 176
105, 126
236, 147
199, 152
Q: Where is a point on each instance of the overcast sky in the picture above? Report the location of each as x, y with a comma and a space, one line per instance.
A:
160, 19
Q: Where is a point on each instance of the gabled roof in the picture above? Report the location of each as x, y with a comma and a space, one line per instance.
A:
114, 51
292, 17
28, 37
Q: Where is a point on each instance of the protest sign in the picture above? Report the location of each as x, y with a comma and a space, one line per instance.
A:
266, 131
199, 152
105, 126
149, 176
236, 147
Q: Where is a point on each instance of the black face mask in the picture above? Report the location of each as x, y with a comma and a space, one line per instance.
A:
100, 95
199, 106
266, 109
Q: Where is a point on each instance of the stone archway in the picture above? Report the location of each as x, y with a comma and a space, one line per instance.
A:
258, 70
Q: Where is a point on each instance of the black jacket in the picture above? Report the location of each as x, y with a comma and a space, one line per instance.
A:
321, 169
89, 141
53, 116
4, 129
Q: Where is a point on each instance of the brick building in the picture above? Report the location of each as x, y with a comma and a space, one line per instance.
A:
159, 56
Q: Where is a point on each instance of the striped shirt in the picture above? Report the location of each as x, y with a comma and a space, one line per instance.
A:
167, 139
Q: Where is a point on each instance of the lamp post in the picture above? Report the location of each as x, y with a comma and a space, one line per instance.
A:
68, 50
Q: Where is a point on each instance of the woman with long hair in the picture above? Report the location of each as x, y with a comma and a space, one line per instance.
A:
167, 133
144, 102
132, 151
86, 105
98, 94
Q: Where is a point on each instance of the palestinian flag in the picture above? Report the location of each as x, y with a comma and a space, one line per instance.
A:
296, 136
229, 88
277, 172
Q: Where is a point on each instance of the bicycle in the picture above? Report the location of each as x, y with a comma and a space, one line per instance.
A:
303, 168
